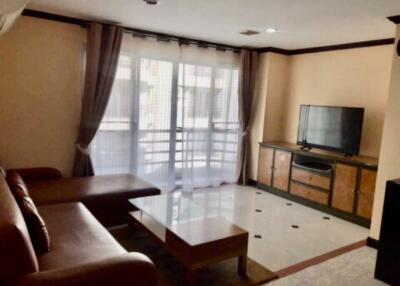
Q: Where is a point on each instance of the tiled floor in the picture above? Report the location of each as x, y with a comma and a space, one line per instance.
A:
290, 233
350, 269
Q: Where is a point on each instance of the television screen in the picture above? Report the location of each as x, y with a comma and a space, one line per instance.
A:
332, 128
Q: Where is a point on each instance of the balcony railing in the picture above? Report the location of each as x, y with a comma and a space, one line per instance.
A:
119, 148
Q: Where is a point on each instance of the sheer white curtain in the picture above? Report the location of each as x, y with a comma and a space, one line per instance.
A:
172, 117
208, 116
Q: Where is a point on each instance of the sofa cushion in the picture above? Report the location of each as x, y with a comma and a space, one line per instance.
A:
36, 226
98, 193
17, 186
17, 256
76, 237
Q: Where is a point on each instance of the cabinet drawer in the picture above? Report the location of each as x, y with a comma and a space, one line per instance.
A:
309, 193
311, 178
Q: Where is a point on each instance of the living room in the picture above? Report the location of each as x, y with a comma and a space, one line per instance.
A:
212, 143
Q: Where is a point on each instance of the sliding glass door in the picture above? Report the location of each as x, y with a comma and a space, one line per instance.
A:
171, 123
207, 116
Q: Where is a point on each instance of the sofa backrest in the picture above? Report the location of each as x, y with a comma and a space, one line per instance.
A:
17, 256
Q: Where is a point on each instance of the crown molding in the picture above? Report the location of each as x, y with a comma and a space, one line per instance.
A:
273, 50
346, 46
55, 17
85, 23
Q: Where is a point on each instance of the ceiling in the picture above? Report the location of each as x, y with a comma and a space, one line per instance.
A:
300, 23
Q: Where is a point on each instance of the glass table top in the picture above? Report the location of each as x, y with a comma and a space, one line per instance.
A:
171, 209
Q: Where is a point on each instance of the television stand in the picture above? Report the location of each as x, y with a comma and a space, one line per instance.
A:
346, 155
321, 179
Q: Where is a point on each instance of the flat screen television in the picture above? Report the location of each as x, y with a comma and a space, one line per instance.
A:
330, 127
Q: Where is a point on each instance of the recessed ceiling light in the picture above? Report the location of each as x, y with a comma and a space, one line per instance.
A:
249, 32
270, 30
151, 2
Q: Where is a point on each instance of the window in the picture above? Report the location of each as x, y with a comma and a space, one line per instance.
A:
172, 123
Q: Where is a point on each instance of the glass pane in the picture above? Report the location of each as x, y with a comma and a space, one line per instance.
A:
135, 134
155, 99
111, 150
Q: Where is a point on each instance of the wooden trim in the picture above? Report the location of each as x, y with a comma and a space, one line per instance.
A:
55, 17
363, 161
139, 32
373, 243
355, 45
319, 259
347, 46
273, 50
394, 19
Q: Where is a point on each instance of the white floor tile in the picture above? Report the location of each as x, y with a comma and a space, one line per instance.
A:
281, 245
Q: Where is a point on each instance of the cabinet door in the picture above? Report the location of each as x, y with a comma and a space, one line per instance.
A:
344, 187
366, 193
265, 162
282, 164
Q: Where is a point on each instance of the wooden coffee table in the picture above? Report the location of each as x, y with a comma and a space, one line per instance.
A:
194, 236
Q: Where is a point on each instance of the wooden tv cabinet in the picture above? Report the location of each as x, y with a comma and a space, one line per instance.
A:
327, 181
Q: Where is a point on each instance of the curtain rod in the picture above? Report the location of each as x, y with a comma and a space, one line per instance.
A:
181, 40
136, 32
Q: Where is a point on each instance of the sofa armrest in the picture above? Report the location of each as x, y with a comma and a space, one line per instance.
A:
38, 174
129, 269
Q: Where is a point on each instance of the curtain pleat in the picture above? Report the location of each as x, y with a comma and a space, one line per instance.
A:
247, 85
103, 48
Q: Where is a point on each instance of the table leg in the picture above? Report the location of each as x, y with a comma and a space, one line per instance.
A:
242, 265
191, 277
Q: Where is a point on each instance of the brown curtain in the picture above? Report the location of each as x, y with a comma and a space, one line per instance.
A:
248, 74
103, 47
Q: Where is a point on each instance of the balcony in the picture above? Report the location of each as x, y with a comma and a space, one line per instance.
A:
162, 154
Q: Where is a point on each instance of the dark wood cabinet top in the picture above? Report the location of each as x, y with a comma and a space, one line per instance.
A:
364, 161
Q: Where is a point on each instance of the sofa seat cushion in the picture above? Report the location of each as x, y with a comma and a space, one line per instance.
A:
76, 237
98, 193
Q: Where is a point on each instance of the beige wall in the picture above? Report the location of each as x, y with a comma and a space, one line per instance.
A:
40, 90
257, 124
354, 77
389, 159
271, 95
277, 97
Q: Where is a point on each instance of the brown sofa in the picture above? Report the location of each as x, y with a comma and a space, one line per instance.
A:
105, 196
82, 250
